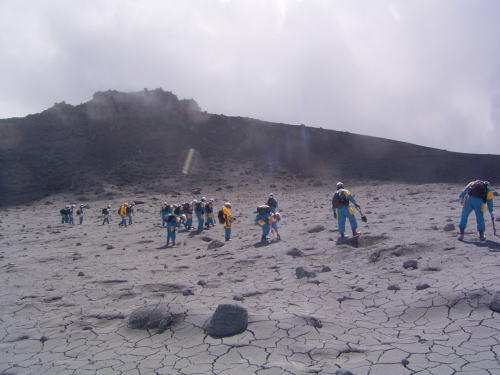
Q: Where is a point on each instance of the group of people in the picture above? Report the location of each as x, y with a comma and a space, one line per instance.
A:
476, 196
68, 211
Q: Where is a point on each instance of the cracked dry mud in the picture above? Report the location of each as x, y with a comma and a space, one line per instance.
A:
64, 306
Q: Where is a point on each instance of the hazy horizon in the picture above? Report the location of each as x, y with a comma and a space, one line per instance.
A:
424, 72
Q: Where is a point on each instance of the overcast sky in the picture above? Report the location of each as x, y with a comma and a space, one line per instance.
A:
426, 72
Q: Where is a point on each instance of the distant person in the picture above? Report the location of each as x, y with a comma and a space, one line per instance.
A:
272, 203
209, 209
340, 203
164, 212
177, 209
187, 210
274, 219
172, 223
106, 215
70, 214
199, 210
64, 214
122, 212
130, 212
226, 218
263, 220
79, 213
477, 195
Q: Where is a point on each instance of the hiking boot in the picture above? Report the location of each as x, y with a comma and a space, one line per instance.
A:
481, 236
263, 239
355, 233
461, 236
342, 235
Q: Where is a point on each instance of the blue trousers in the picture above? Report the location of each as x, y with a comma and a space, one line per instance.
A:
130, 220
473, 204
63, 219
227, 233
266, 228
123, 222
189, 222
343, 214
81, 219
201, 221
171, 234
210, 221
105, 220
70, 219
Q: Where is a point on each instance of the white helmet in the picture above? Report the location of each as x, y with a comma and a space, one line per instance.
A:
340, 185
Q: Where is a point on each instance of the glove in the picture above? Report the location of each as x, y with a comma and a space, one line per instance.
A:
335, 215
492, 214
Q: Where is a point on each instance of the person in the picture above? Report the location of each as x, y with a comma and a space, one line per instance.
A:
177, 209
272, 203
274, 219
122, 211
106, 215
228, 220
130, 212
476, 196
64, 215
209, 209
341, 210
172, 223
163, 214
199, 210
263, 220
70, 214
187, 209
79, 213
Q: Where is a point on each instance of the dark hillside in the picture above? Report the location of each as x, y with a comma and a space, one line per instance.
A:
132, 137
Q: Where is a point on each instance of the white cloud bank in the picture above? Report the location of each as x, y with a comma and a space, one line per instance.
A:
426, 72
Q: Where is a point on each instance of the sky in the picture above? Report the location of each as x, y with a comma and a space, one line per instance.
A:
425, 72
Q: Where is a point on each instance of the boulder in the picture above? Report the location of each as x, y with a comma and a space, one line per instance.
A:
294, 252
215, 244
449, 227
227, 320
343, 372
410, 264
495, 302
301, 272
151, 317
422, 286
316, 228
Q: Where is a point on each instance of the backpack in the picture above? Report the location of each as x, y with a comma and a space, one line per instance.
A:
177, 210
129, 210
264, 209
105, 211
79, 211
170, 218
185, 207
339, 200
220, 215
63, 211
197, 207
271, 202
478, 189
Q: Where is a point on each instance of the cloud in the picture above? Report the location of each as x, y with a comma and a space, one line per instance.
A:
425, 72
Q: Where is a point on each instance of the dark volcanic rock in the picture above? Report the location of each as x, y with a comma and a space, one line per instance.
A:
150, 317
393, 287
422, 286
410, 264
495, 302
343, 372
215, 244
312, 321
228, 320
316, 229
301, 272
325, 269
294, 252
449, 227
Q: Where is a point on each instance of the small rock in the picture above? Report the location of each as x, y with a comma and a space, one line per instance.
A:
359, 289
207, 239
422, 286
78, 244
449, 227
202, 282
228, 320
81, 273
495, 302
220, 273
238, 297
196, 191
150, 317
301, 272
410, 264
325, 269
43, 339
294, 252
215, 244
109, 247
312, 321
405, 362
343, 372
316, 229
393, 287
495, 193
187, 292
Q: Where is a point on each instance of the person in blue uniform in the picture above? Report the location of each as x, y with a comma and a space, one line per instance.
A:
341, 209
476, 196
263, 220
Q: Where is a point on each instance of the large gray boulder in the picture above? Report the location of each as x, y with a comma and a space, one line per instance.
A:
228, 320
495, 302
151, 317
